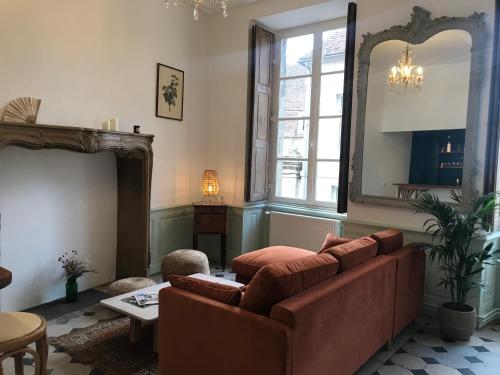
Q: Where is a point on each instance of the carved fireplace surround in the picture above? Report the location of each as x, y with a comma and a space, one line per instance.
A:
134, 162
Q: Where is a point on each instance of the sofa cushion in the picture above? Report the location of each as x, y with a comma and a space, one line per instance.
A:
218, 292
354, 252
388, 240
247, 265
277, 282
332, 240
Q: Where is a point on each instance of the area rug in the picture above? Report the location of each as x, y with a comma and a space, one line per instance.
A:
105, 347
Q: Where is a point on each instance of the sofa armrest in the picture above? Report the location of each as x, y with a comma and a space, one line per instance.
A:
410, 276
339, 324
196, 334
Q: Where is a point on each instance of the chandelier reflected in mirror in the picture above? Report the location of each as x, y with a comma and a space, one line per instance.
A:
207, 6
405, 76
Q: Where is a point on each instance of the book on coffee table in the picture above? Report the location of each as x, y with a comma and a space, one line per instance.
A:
142, 299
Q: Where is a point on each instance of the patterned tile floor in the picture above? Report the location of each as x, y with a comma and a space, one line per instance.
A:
421, 351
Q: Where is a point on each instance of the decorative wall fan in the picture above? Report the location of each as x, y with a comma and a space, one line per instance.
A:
23, 110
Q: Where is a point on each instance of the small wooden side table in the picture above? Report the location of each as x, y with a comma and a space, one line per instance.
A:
211, 219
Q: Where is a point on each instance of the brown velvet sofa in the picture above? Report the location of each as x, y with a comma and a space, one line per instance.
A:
332, 327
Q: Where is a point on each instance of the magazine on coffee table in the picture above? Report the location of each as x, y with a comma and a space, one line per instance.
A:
142, 299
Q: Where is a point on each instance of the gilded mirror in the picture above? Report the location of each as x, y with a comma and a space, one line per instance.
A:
419, 91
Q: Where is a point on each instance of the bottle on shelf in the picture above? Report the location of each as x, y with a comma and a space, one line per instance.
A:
448, 146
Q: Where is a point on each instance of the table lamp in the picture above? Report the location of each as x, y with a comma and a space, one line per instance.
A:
209, 184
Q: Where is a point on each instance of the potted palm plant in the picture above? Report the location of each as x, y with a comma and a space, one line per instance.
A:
453, 230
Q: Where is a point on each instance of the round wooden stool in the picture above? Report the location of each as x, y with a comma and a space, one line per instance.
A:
18, 330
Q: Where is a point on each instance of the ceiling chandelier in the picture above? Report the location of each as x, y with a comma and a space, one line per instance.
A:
208, 6
406, 76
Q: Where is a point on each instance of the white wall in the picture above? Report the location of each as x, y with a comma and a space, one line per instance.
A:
445, 86
88, 61
391, 119
386, 156
51, 203
445, 59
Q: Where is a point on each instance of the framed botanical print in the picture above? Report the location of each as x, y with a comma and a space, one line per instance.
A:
169, 92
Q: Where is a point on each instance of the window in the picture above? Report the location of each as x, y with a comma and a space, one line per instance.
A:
308, 126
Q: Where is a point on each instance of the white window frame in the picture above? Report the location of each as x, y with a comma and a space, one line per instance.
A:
317, 30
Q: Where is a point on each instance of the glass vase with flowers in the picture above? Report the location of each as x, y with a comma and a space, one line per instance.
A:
73, 268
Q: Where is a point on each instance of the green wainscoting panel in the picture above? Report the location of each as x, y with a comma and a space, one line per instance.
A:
484, 300
171, 229
255, 233
235, 233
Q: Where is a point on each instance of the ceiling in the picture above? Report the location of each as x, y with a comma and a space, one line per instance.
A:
306, 16
240, 3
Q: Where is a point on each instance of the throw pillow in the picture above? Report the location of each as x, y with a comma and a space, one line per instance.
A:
388, 240
332, 240
355, 252
218, 292
277, 282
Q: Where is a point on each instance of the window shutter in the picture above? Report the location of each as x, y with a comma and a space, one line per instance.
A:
490, 183
345, 141
259, 114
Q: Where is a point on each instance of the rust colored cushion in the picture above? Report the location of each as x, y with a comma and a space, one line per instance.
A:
277, 282
218, 292
355, 252
388, 240
247, 265
332, 240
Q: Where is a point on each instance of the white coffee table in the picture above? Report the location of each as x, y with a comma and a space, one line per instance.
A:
149, 314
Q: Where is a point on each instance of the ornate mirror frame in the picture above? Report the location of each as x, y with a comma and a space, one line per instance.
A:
418, 30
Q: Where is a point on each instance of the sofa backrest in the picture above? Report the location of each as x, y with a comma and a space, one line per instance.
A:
279, 281
338, 324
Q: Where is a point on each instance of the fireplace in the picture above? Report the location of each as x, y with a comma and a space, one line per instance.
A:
134, 160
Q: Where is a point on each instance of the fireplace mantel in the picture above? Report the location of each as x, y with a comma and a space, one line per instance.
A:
134, 163
85, 140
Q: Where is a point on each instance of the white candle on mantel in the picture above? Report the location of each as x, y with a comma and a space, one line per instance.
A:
114, 123
106, 125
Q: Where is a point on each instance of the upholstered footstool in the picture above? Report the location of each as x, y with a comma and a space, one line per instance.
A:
129, 285
184, 262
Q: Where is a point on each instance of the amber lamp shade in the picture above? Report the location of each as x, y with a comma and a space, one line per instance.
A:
210, 183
